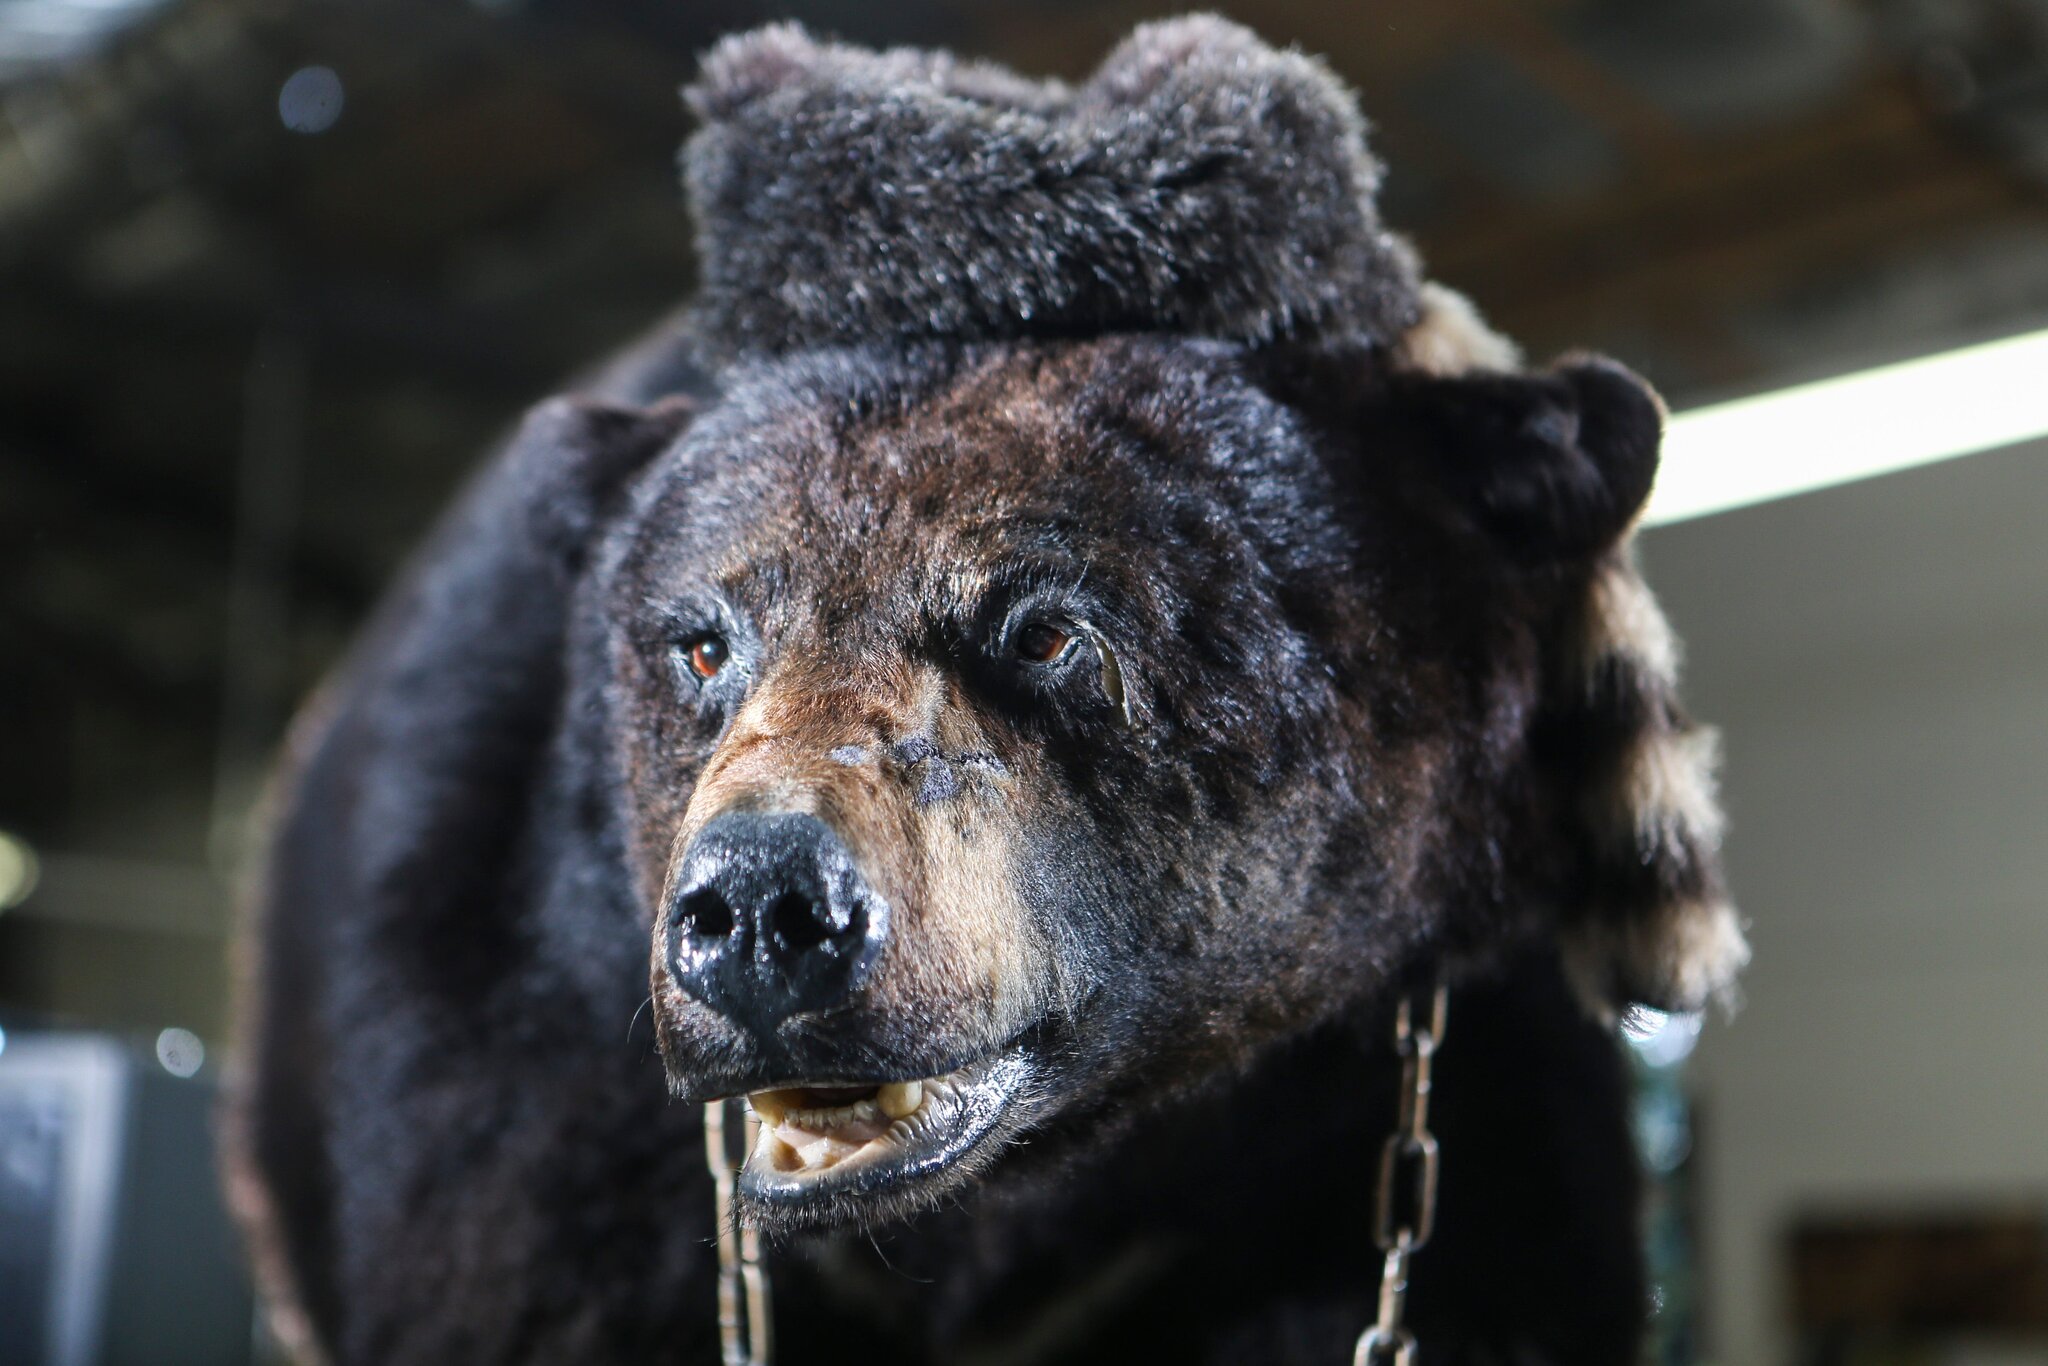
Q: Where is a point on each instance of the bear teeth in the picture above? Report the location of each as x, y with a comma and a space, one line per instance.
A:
824, 1119
806, 1128
798, 1107
901, 1099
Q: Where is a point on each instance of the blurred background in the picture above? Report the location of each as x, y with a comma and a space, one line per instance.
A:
273, 273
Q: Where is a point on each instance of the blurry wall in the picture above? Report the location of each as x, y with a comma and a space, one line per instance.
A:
1877, 656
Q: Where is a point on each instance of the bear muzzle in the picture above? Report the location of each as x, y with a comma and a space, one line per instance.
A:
773, 943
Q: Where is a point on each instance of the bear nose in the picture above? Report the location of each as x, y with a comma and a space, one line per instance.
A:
770, 919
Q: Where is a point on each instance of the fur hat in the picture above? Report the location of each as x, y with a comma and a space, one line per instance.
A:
1200, 182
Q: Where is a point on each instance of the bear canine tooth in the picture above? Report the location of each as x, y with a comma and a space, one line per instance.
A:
900, 1099
768, 1105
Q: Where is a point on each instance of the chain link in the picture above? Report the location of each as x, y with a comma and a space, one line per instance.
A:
1405, 1198
743, 1315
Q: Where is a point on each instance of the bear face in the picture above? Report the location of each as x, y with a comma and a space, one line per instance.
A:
1015, 736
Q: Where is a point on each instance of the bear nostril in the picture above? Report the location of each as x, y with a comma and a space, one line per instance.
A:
705, 913
798, 923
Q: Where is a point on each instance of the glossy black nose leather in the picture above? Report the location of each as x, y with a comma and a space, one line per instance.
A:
771, 919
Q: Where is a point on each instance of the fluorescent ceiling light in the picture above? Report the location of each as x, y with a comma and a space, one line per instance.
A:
1891, 418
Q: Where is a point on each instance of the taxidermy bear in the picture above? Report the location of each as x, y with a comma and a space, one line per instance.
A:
1060, 637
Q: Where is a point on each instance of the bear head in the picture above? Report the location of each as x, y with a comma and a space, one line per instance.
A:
1108, 618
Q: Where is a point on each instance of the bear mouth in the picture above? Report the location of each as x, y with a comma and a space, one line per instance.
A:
819, 1144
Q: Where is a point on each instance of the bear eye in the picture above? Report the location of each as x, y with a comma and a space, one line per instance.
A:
707, 654
1041, 642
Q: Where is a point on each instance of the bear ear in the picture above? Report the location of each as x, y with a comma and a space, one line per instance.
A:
1554, 468
573, 458
1554, 465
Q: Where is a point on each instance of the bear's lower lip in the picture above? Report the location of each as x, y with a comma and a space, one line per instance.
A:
828, 1143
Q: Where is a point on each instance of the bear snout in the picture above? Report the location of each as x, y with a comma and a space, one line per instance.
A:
769, 918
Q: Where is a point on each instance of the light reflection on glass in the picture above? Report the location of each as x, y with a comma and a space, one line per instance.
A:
310, 100
180, 1051
1659, 1038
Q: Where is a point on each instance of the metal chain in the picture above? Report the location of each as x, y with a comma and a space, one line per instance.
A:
743, 1316
1406, 1196
1407, 1168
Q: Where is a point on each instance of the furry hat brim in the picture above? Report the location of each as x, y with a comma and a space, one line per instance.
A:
1200, 182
